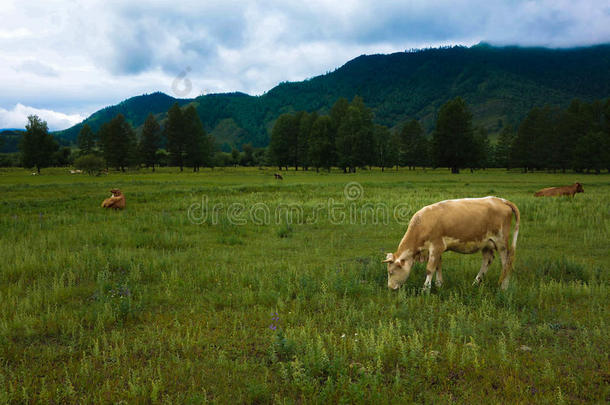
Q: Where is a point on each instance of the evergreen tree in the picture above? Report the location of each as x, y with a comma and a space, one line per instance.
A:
86, 140
118, 142
355, 139
234, 157
198, 146
482, 151
591, 152
37, 145
337, 113
248, 157
503, 147
412, 145
385, 155
321, 143
280, 143
175, 133
150, 141
534, 146
453, 138
306, 121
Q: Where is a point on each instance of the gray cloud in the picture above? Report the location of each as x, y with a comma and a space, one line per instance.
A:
77, 57
37, 68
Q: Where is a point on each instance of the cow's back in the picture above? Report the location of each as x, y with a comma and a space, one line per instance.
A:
463, 219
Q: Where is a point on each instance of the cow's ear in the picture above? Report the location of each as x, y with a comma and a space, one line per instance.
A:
401, 262
389, 257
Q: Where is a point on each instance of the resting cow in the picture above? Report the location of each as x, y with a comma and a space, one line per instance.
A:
466, 225
117, 201
557, 191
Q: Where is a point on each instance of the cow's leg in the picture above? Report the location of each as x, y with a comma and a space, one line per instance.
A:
439, 273
488, 258
433, 260
505, 256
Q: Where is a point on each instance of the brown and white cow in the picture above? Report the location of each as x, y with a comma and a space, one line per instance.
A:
557, 191
466, 225
116, 201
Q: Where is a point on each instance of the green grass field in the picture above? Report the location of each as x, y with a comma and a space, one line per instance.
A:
166, 303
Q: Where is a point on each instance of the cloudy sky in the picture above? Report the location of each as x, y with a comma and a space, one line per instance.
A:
63, 60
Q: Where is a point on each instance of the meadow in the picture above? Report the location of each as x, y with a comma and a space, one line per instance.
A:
204, 289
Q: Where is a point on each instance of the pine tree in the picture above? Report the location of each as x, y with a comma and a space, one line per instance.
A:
306, 121
281, 140
235, 156
150, 141
503, 147
321, 151
37, 145
354, 140
384, 154
453, 138
413, 145
176, 135
198, 146
248, 157
534, 146
86, 140
118, 142
482, 152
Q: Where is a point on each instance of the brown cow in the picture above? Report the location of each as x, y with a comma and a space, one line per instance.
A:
278, 176
467, 225
117, 201
557, 191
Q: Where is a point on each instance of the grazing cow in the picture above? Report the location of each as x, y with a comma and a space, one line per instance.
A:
557, 191
467, 225
117, 201
278, 176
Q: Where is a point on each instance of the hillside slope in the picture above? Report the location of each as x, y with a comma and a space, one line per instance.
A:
499, 83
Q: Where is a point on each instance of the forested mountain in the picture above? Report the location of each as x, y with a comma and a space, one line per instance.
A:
9, 140
500, 84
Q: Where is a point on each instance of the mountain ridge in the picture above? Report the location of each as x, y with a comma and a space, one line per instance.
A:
500, 85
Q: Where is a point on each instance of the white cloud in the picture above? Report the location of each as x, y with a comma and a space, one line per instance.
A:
79, 56
17, 117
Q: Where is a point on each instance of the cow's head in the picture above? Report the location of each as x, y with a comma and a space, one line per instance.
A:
399, 269
115, 192
579, 188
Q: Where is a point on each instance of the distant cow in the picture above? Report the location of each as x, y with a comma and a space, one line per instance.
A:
278, 176
466, 225
117, 201
557, 191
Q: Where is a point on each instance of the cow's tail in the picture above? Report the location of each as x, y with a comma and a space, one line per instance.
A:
511, 249
517, 221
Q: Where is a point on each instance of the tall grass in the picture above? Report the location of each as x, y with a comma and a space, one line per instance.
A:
146, 306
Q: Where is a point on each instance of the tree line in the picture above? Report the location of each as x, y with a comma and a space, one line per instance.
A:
182, 141
548, 138
551, 138
348, 138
